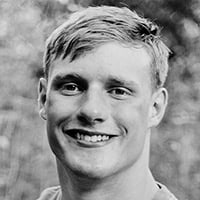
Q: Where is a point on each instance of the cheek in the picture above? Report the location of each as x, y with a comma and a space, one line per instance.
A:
60, 108
132, 118
131, 115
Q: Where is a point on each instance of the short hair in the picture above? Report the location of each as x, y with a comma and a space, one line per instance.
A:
92, 27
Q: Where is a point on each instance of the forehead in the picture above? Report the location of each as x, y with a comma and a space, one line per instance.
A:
113, 59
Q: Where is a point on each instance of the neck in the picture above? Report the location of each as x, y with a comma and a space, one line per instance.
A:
135, 183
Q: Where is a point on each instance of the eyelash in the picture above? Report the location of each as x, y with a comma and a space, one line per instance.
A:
72, 89
123, 92
69, 91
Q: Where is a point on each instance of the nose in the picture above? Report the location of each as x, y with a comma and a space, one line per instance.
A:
93, 109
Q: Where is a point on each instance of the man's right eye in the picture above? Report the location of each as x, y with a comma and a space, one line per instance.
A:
70, 89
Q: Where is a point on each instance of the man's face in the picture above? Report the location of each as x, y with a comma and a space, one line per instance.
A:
98, 109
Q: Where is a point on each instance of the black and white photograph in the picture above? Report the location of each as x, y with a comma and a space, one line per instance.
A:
99, 99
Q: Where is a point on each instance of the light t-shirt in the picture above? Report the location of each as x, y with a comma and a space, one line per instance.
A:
54, 193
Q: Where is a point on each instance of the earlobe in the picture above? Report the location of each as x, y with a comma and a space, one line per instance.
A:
158, 107
42, 88
42, 114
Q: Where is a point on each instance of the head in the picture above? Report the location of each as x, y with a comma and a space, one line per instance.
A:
103, 90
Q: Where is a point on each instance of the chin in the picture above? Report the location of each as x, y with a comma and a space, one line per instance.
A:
93, 174
90, 170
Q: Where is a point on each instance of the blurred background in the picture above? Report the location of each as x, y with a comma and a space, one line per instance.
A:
27, 165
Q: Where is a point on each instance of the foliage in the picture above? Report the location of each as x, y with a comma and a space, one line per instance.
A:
27, 165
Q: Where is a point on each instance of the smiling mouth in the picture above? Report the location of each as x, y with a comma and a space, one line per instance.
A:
88, 136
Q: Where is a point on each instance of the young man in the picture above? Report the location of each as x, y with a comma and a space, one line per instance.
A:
101, 95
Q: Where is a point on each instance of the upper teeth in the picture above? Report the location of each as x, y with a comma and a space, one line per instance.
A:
94, 138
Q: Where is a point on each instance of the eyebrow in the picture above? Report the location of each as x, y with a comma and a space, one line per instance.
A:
114, 80
110, 80
60, 78
63, 77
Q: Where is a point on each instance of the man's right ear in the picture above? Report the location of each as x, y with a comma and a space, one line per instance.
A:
42, 89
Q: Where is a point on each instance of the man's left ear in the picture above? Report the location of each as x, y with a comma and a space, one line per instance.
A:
158, 106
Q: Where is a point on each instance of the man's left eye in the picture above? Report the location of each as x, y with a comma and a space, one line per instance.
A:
120, 92
70, 89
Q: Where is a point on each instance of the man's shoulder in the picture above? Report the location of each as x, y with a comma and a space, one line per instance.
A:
52, 193
163, 193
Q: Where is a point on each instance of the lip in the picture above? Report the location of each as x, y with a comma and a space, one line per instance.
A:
70, 133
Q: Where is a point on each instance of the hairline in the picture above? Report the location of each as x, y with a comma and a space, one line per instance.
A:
154, 48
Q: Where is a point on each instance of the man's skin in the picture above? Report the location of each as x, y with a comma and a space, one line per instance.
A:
108, 93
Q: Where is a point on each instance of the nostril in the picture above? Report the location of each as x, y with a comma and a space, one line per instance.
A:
88, 120
84, 119
92, 110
